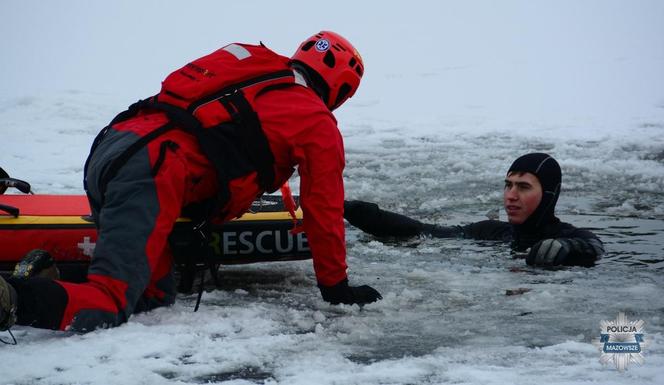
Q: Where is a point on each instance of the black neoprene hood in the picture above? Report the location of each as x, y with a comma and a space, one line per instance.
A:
547, 170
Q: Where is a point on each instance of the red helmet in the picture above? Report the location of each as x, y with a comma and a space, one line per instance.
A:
334, 60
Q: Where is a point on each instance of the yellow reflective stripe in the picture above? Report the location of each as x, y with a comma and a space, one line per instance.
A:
76, 220
266, 216
43, 220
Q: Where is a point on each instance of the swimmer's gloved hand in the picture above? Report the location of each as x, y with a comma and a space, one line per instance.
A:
565, 251
342, 293
549, 252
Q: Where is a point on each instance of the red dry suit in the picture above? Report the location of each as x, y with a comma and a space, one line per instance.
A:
132, 266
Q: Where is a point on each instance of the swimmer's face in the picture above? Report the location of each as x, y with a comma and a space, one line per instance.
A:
522, 195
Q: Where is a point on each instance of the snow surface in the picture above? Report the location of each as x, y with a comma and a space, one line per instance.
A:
453, 92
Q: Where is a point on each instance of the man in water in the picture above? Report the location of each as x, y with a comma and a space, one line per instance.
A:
532, 187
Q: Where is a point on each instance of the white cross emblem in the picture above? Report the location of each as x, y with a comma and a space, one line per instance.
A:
87, 246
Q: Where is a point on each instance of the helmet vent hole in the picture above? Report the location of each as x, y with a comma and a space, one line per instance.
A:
307, 46
328, 59
359, 70
352, 62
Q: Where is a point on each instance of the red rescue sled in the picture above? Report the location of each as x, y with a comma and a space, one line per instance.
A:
61, 224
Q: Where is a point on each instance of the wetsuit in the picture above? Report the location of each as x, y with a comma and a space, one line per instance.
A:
585, 247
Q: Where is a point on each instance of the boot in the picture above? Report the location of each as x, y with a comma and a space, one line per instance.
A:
36, 263
8, 300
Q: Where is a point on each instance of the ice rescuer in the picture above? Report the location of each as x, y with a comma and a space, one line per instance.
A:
223, 129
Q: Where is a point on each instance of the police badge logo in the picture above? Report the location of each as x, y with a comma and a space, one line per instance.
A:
621, 342
322, 45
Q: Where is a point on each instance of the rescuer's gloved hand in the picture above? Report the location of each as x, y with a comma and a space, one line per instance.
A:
342, 293
549, 252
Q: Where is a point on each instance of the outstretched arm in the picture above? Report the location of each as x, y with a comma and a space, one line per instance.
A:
320, 165
371, 219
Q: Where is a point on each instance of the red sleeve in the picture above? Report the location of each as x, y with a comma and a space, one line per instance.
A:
321, 164
303, 132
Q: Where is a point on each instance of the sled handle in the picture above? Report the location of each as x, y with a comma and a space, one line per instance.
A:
18, 184
13, 211
3, 175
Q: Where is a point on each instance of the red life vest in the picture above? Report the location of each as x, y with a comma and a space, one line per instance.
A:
202, 86
213, 99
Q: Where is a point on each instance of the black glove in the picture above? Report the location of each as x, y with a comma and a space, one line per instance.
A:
342, 293
549, 252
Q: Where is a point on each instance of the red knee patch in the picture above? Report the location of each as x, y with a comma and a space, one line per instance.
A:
99, 293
